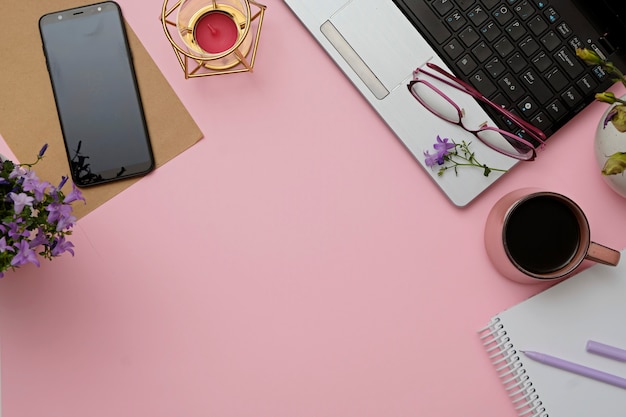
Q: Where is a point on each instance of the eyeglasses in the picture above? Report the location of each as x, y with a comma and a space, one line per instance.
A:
442, 106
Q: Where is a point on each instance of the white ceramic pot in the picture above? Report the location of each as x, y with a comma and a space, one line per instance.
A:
607, 142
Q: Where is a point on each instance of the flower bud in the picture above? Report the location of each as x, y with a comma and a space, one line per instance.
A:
615, 164
589, 56
606, 97
62, 183
42, 151
619, 119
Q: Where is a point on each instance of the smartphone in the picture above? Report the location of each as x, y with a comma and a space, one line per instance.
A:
96, 93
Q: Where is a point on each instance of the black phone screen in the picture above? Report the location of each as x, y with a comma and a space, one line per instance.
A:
96, 93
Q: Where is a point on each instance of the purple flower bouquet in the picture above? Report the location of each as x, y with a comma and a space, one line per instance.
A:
35, 216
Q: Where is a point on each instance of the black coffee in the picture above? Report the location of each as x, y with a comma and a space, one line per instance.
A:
542, 235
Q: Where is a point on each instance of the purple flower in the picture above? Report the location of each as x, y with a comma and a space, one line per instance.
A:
37, 187
20, 201
18, 172
40, 239
443, 146
33, 209
14, 231
65, 222
4, 247
60, 246
24, 255
431, 160
30, 176
57, 211
74, 195
61, 214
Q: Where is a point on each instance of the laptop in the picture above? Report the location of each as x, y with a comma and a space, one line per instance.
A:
518, 53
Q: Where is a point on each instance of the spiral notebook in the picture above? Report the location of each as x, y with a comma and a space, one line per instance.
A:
559, 321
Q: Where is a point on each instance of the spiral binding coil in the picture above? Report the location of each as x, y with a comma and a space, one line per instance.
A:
511, 370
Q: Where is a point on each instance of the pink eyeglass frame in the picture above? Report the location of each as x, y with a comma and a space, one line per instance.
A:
460, 85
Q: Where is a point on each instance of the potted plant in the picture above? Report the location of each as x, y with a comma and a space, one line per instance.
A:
35, 216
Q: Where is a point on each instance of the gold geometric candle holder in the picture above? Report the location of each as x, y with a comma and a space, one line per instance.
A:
213, 37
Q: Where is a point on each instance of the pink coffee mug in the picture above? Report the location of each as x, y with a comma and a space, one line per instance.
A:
535, 236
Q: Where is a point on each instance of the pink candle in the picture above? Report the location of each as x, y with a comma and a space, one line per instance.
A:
216, 32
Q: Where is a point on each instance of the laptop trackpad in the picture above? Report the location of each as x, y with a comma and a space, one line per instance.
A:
378, 43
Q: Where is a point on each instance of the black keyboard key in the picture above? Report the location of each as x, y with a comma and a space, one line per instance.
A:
541, 121
455, 21
501, 101
515, 30
490, 4
510, 125
477, 15
586, 84
551, 15
537, 25
442, 6
524, 10
564, 30
572, 97
541, 61
504, 47
599, 73
527, 107
529, 46
490, 31
550, 41
495, 67
469, 36
481, 51
556, 110
541, 4
569, 62
556, 79
464, 4
575, 43
533, 83
502, 15
482, 83
466, 64
516, 62
429, 19
453, 49
511, 87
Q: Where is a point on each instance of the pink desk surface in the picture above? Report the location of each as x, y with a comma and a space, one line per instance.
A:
295, 262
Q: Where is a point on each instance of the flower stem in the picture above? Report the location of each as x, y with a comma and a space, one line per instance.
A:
467, 159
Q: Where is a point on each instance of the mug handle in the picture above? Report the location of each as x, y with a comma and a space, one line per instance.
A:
602, 254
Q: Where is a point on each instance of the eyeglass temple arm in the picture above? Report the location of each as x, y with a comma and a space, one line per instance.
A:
532, 130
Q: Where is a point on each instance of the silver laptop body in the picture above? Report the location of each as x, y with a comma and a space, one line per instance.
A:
378, 48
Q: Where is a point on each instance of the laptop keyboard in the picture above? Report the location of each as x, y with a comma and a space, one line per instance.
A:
518, 53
